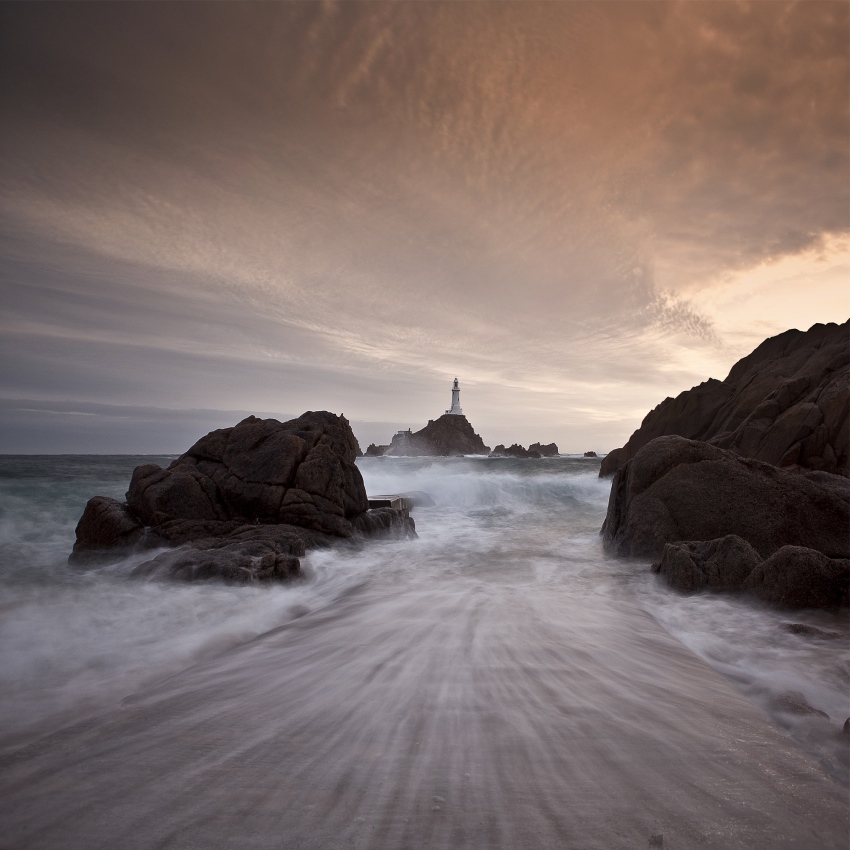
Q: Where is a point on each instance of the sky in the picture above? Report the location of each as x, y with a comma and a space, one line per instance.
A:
576, 208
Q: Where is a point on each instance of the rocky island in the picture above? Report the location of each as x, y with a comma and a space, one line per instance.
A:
243, 504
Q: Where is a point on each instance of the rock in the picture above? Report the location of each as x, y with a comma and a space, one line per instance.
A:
375, 451
721, 564
450, 435
515, 450
591, 454
677, 489
300, 472
806, 630
234, 562
107, 530
386, 523
243, 504
786, 404
548, 450
798, 577
793, 702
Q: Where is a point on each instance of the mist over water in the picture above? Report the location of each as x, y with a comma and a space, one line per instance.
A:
500, 654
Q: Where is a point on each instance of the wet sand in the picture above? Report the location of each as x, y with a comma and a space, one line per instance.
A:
430, 710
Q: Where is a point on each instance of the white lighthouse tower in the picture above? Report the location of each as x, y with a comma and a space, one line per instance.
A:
455, 408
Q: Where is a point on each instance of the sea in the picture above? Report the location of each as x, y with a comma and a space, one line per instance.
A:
505, 618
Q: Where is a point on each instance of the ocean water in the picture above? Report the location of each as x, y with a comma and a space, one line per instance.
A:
448, 674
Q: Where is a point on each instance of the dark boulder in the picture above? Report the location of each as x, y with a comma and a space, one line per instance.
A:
787, 403
244, 561
106, 531
243, 504
721, 564
676, 489
387, 524
448, 436
591, 454
300, 472
798, 577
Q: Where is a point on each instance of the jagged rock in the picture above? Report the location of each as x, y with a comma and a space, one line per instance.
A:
106, 531
786, 404
547, 450
243, 504
721, 564
300, 472
447, 436
516, 450
591, 454
676, 489
375, 451
798, 577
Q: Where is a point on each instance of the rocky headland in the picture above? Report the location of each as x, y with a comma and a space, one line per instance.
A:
243, 504
760, 501
786, 404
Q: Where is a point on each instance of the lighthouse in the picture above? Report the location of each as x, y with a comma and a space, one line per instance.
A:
455, 408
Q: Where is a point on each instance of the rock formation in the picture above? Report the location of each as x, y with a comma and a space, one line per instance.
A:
547, 450
535, 450
721, 564
786, 404
723, 522
244, 502
447, 436
675, 489
591, 454
516, 450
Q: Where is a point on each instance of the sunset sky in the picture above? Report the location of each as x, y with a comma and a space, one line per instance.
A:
577, 208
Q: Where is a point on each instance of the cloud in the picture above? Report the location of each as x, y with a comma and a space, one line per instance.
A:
535, 196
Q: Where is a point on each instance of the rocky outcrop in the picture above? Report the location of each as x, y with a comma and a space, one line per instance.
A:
375, 451
450, 435
243, 503
547, 450
515, 450
535, 450
590, 454
721, 564
106, 527
300, 472
676, 489
786, 404
797, 577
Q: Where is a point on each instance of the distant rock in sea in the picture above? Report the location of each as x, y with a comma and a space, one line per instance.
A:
786, 404
590, 454
450, 435
244, 502
548, 450
535, 450
516, 450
